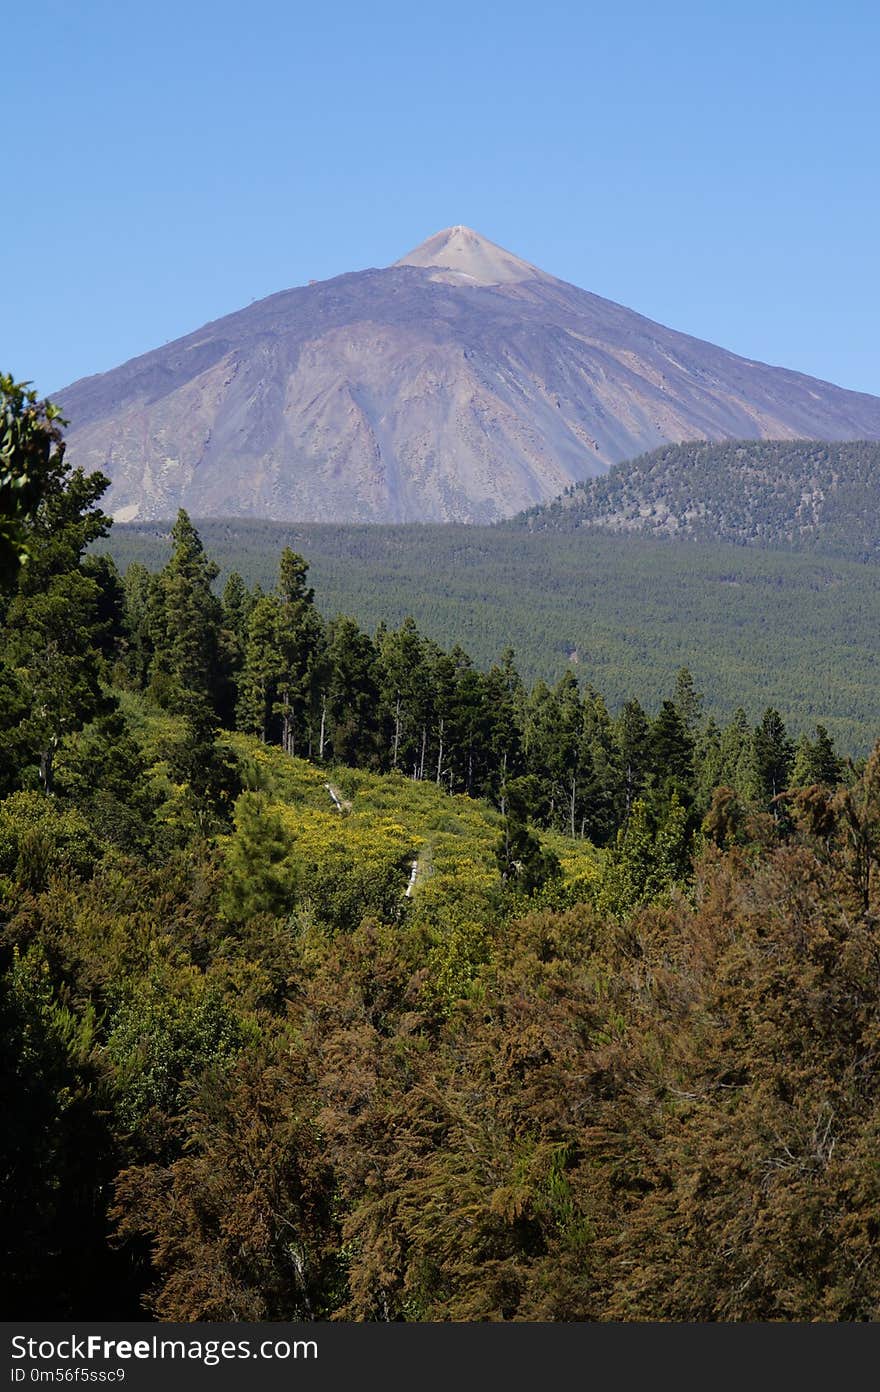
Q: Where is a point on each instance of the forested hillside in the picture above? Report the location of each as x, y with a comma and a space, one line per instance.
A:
622, 613
343, 978
798, 494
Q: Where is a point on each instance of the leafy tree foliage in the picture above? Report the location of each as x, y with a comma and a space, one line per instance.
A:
54, 624
31, 464
250, 1201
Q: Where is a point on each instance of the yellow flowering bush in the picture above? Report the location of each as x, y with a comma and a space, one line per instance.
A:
355, 836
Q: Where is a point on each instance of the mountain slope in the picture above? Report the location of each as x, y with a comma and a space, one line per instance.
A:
461, 384
800, 493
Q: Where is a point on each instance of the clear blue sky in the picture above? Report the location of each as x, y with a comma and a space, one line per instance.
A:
714, 166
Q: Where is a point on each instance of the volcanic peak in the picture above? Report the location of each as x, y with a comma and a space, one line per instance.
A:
468, 258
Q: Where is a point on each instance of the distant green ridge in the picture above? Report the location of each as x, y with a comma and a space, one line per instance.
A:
797, 494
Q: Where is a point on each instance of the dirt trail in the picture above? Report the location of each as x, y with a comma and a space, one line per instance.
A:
420, 868
414, 874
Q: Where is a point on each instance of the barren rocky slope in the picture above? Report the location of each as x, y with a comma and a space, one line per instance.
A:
460, 384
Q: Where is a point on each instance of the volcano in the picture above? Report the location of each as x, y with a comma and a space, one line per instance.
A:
459, 384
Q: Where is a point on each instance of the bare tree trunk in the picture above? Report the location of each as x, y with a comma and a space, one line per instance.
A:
287, 731
396, 746
46, 760
440, 754
323, 725
424, 748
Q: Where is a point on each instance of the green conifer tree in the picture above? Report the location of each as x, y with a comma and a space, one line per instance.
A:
188, 619
688, 701
405, 693
815, 761
633, 737
672, 760
772, 756
301, 646
524, 863
259, 876
352, 694
736, 767
261, 669
56, 627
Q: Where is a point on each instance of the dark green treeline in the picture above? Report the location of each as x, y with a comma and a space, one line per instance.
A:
757, 627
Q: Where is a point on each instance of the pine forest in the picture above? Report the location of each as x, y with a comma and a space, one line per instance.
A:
345, 975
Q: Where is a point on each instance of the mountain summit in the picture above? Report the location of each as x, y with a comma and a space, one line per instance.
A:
459, 384
470, 257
